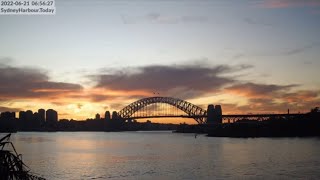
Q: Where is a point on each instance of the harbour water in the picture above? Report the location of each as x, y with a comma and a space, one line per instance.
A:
166, 155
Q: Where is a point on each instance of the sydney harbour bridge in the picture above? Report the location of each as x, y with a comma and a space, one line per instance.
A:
169, 107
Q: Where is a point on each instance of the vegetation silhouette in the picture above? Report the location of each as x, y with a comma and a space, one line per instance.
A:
11, 165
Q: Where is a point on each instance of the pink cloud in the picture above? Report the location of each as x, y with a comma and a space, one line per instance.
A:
315, 12
290, 3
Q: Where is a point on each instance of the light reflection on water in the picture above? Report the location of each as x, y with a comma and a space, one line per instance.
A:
165, 155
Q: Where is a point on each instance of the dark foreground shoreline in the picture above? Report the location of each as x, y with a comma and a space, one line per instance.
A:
309, 126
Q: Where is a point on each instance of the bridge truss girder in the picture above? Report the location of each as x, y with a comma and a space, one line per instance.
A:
196, 112
239, 118
259, 117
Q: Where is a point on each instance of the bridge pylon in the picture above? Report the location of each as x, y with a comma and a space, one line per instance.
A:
214, 114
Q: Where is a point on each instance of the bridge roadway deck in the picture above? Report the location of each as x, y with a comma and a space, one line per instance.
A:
223, 116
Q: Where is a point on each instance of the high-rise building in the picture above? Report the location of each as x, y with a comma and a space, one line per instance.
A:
97, 116
29, 119
29, 116
8, 115
114, 115
51, 117
22, 115
42, 117
22, 119
107, 116
8, 121
35, 121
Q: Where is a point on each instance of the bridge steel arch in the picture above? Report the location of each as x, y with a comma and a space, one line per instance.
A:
196, 112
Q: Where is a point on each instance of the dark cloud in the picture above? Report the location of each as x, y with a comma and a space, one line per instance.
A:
157, 18
17, 82
252, 21
57, 102
117, 106
100, 97
5, 109
302, 49
238, 56
191, 81
281, 52
307, 62
257, 90
79, 106
184, 93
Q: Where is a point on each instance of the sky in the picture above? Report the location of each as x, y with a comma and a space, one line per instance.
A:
257, 56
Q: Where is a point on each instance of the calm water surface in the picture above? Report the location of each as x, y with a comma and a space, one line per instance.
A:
166, 155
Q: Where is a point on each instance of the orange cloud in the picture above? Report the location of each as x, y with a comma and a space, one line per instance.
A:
264, 98
301, 96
